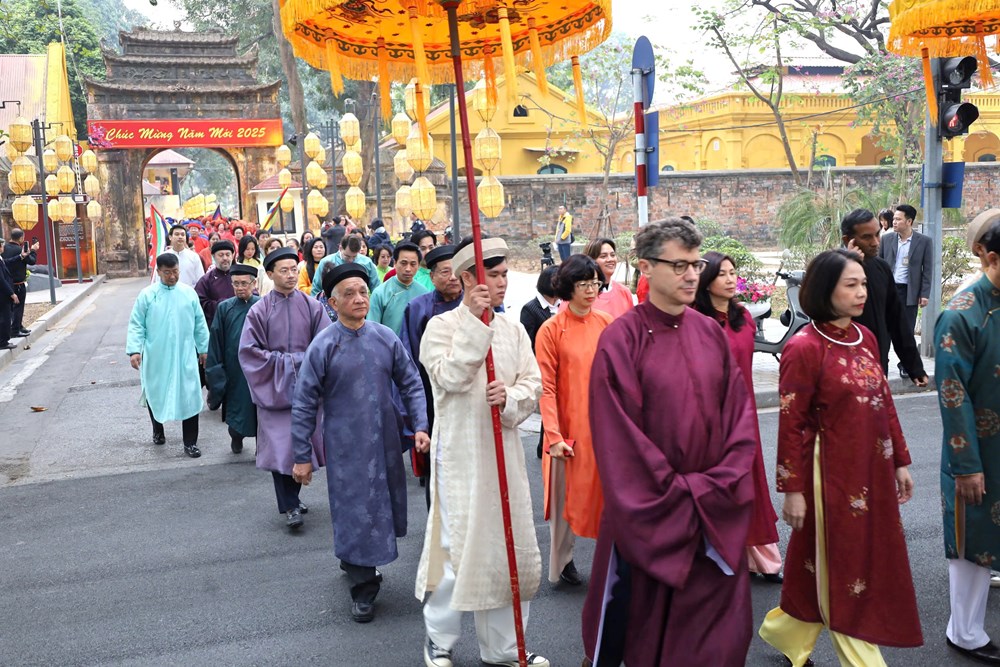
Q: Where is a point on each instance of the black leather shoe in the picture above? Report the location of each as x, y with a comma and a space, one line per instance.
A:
774, 578
989, 653
902, 373
20, 334
362, 612
159, 439
303, 509
192, 451
294, 521
236, 445
569, 575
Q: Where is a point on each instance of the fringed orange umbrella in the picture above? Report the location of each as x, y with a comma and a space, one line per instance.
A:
439, 41
944, 29
397, 40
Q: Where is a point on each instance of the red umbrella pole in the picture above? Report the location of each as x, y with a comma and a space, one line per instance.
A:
451, 6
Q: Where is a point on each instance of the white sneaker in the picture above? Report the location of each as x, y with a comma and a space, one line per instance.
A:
435, 656
534, 660
994, 579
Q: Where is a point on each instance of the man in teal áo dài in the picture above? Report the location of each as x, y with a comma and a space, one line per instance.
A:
167, 340
227, 385
389, 300
967, 372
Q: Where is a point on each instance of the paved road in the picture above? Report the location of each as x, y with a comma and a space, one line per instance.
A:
116, 552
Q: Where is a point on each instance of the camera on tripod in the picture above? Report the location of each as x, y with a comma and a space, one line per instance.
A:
547, 254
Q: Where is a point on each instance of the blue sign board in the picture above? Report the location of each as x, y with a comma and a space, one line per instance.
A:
644, 59
652, 148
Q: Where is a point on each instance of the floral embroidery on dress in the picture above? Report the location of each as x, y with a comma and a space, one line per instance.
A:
995, 513
808, 564
786, 401
987, 423
958, 443
948, 342
877, 403
952, 393
859, 503
885, 448
857, 588
783, 471
867, 374
985, 559
962, 301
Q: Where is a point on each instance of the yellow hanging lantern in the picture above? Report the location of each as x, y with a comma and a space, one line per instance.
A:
11, 152
401, 166
51, 185
404, 204
92, 186
64, 148
88, 161
419, 150
355, 202
410, 99
20, 135
287, 203
284, 179
22, 175
350, 129
50, 161
356, 146
484, 103
314, 203
491, 196
25, 212
312, 145
423, 198
66, 178
400, 128
67, 209
321, 156
486, 149
352, 167
94, 210
283, 156
55, 213
316, 175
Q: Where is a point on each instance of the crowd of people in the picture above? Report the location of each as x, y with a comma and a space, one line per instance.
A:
371, 354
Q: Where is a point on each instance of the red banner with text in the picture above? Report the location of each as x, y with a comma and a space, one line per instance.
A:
195, 133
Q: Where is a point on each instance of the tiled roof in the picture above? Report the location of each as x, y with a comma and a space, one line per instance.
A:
272, 184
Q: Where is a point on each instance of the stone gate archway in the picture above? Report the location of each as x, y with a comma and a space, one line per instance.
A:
173, 89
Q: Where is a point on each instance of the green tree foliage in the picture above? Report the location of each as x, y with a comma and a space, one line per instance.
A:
31, 25
212, 174
747, 264
108, 17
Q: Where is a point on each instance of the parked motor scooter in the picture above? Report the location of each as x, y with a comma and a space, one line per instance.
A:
793, 318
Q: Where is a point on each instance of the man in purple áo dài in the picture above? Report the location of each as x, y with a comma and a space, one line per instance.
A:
215, 286
347, 378
277, 331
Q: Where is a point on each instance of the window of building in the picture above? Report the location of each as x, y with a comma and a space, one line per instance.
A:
668, 167
553, 169
284, 223
887, 160
520, 111
987, 157
825, 161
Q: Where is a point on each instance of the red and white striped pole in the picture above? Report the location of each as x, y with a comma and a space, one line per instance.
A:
640, 147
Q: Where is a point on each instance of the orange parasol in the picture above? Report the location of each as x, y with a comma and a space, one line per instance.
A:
437, 41
397, 40
944, 29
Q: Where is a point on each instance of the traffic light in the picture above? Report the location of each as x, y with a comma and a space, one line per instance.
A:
954, 115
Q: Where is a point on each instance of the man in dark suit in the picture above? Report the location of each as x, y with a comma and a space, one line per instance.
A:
8, 299
18, 256
909, 253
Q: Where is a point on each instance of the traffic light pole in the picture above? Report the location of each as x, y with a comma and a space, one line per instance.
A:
933, 189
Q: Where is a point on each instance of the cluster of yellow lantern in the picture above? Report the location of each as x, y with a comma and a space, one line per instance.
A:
486, 152
316, 203
352, 165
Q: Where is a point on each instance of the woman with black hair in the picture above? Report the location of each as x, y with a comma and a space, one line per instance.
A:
249, 252
565, 349
314, 251
842, 465
716, 297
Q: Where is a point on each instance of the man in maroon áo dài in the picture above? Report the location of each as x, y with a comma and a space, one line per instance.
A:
673, 436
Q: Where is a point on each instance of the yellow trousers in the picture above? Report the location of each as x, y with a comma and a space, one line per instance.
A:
795, 638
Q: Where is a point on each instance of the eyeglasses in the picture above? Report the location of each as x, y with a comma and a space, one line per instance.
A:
589, 285
242, 283
680, 266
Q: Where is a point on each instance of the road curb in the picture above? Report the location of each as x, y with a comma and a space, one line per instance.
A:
42, 325
898, 386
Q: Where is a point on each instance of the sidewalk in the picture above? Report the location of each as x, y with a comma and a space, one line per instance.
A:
67, 298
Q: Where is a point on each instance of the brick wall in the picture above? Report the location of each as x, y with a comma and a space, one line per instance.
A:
744, 201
